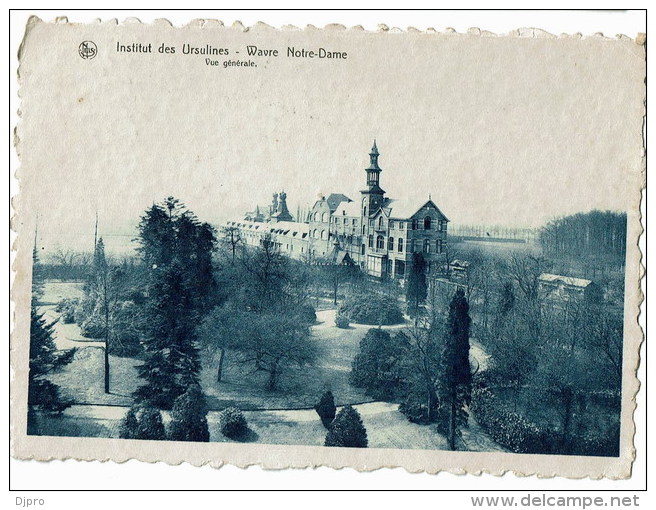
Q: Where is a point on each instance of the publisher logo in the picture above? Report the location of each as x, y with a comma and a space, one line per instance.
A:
87, 50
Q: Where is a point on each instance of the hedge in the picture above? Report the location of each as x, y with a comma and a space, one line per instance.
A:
372, 309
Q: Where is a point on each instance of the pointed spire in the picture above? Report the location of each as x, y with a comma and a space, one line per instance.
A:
373, 158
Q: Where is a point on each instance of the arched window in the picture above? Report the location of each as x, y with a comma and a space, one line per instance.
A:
324, 217
380, 222
315, 234
380, 243
371, 240
316, 216
390, 244
363, 227
427, 223
323, 235
363, 248
400, 244
427, 245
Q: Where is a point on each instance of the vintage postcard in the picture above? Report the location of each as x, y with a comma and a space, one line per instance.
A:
328, 247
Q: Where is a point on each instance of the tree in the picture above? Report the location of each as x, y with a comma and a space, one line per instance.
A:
189, 417
455, 380
506, 300
269, 341
266, 321
524, 271
326, 409
423, 369
347, 430
106, 290
232, 238
416, 288
177, 250
378, 367
45, 359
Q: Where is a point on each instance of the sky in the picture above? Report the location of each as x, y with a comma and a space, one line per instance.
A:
496, 130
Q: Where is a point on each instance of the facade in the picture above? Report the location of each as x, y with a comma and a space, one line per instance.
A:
378, 233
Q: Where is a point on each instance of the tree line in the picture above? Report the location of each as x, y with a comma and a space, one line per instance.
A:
599, 234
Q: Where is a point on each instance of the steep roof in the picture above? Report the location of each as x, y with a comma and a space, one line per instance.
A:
334, 199
287, 228
348, 209
402, 208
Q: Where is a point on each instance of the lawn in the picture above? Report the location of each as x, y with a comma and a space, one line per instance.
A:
284, 416
386, 427
299, 387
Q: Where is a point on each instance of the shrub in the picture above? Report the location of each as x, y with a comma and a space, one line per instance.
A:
326, 409
415, 409
150, 424
142, 422
129, 425
308, 314
66, 307
93, 327
342, 321
374, 309
347, 430
232, 423
508, 428
189, 417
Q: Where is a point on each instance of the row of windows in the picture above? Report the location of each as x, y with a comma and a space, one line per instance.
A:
316, 234
345, 221
427, 224
437, 247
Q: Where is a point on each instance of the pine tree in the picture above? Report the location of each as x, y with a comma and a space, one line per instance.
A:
189, 417
177, 250
416, 289
347, 430
44, 395
455, 380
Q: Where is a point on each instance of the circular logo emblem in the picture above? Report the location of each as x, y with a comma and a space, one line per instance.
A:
87, 49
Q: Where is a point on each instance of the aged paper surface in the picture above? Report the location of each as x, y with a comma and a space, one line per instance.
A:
482, 141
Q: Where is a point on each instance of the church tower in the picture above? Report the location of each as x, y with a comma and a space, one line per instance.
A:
372, 196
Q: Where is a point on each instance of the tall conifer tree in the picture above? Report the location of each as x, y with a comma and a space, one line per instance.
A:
455, 383
177, 250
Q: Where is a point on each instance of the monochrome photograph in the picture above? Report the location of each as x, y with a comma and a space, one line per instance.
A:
328, 247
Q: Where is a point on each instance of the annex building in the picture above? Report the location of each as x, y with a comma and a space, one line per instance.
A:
377, 233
